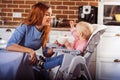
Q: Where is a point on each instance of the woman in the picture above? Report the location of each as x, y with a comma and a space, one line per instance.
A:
33, 34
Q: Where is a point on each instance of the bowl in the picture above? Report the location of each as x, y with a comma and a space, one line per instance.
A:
62, 39
117, 17
3, 44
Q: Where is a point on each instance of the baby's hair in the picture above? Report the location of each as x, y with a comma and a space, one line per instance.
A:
86, 29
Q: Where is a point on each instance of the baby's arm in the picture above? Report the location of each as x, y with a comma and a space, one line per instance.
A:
67, 45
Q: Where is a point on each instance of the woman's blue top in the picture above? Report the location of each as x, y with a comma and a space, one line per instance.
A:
27, 36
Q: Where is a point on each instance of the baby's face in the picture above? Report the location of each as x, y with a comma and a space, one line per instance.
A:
77, 34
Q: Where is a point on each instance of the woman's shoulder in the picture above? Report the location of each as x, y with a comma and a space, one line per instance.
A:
25, 27
22, 28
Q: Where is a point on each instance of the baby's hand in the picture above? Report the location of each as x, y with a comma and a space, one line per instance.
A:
67, 44
72, 24
56, 42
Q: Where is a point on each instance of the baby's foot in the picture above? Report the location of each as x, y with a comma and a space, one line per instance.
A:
42, 58
40, 63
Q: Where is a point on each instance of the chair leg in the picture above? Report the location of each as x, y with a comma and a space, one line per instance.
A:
87, 72
82, 77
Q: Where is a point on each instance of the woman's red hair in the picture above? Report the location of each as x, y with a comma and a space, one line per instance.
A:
36, 17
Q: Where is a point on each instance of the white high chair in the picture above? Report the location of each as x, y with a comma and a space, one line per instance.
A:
75, 65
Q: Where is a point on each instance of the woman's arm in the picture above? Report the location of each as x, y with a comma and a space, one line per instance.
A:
16, 38
16, 47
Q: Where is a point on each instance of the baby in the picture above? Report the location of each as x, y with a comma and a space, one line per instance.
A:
81, 34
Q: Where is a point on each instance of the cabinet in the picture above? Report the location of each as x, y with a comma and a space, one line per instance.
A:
5, 34
108, 12
107, 68
107, 52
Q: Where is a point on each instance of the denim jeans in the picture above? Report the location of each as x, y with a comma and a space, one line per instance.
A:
53, 61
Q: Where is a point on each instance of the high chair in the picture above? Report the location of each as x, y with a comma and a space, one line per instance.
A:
75, 65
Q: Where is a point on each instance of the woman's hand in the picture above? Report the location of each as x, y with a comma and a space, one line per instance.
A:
33, 57
50, 52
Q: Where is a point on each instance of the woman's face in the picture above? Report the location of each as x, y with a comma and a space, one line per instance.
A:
47, 17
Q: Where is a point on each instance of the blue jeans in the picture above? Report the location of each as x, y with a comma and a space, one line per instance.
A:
53, 62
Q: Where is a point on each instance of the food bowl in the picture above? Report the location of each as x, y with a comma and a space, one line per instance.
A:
117, 17
2, 44
62, 39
